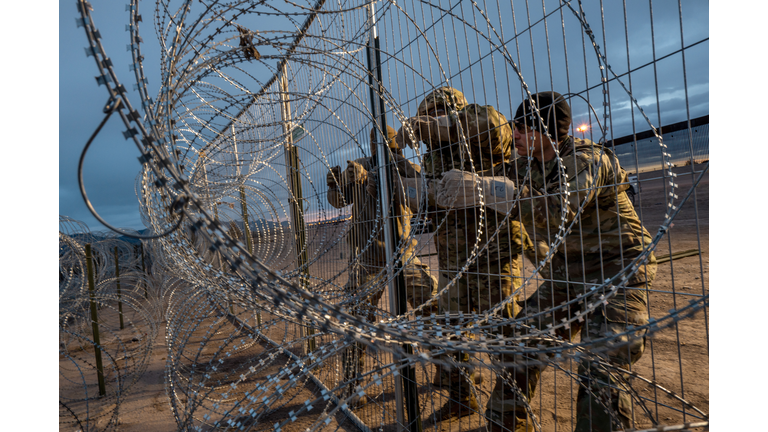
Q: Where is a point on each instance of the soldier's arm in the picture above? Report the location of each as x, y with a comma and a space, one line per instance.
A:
462, 189
344, 185
428, 129
335, 195
405, 167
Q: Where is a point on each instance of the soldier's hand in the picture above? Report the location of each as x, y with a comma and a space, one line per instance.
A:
414, 129
356, 173
457, 189
403, 138
334, 176
461, 189
372, 185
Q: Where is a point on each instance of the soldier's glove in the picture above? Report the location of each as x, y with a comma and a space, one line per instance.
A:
423, 128
333, 177
355, 173
461, 189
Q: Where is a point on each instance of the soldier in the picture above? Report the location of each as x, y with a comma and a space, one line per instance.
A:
488, 148
606, 237
367, 252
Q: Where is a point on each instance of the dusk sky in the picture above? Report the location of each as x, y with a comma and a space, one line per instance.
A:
111, 164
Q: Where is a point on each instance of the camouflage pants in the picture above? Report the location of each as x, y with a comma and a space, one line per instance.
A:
600, 388
420, 286
477, 292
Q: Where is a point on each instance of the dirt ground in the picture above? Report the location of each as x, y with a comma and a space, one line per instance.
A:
676, 359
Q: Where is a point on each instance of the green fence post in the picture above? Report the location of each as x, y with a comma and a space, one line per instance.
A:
247, 234
294, 181
119, 300
94, 319
144, 270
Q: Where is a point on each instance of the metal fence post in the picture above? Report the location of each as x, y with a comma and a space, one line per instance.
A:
397, 294
117, 279
294, 180
248, 238
94, 320
143, 270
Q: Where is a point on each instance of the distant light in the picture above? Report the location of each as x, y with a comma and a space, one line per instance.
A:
582, 128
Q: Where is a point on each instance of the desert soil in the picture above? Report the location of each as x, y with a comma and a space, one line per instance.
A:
676, 358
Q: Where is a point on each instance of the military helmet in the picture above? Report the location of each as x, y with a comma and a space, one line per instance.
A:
553, 111
444, 98
489, 134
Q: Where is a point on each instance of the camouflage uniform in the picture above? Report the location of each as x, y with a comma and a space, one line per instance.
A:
606, 237
496, 271
369, 253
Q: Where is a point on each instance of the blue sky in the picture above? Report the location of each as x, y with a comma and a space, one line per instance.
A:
111, 165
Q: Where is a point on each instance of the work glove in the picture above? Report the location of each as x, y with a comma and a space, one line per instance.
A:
424, 128
462, 189
333, 177
356, 173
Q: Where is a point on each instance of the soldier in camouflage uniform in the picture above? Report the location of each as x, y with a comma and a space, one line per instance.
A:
367, 252
606, 236
464, 136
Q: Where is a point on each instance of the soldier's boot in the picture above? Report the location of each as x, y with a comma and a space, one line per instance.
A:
457, 406
592, 415
443, 378
353, 364
506, 412
461, 399
513, 421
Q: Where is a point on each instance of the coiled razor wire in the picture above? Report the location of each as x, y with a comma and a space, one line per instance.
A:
125, 303
256, 340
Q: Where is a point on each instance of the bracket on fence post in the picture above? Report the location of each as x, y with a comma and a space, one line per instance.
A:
389, 211
94, 320
297, 197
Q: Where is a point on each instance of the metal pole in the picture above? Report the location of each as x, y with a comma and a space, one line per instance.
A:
201, 159
247, 228
246, 231
397, 295
119, 300
143, 269
94, 320
294, 180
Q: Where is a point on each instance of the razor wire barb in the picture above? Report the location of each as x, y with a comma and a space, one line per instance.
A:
210, 144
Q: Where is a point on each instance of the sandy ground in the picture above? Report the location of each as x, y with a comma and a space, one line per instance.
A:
676, 359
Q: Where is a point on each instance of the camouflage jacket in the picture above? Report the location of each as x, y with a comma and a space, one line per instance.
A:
490, 140
606, 235
364, 221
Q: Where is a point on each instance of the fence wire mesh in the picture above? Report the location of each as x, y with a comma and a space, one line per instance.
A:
355, 221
